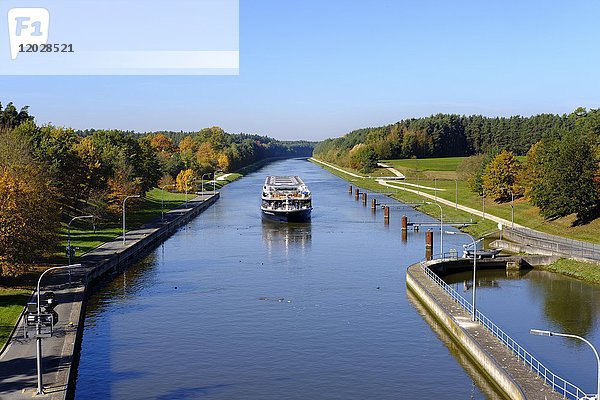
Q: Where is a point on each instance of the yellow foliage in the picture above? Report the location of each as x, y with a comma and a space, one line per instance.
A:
185, 180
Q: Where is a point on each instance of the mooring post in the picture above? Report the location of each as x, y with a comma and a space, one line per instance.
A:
386, 215
404, 223
404, 235
428, 245
364, 199
374, 204
356, 194
350, 189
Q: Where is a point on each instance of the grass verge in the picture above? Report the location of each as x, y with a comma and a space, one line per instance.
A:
11, 305
451, 214
587, 272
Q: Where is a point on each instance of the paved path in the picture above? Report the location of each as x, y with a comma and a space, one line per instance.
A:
18, 373
337, 168
222, 177
392, 170
470, 210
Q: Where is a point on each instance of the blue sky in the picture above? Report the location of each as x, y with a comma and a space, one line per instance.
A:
313, 69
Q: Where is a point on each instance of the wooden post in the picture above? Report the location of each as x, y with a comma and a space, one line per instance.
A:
374, 204
404, 223
386, 215
350, 189
428, 245
356, 194
404, 235
364, 199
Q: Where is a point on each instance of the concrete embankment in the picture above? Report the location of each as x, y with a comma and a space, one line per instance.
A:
18, 378
498, 363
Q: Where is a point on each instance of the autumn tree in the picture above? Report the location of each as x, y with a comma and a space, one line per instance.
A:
186, 180
500, 179
29, 211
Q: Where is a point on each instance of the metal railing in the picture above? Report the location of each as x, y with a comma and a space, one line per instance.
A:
555, 244
558, 384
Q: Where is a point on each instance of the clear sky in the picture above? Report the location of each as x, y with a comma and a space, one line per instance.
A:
312, 69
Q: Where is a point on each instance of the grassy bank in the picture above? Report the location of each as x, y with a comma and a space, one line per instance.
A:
451, 214
587, 272
85, 238
11, 305
440, 173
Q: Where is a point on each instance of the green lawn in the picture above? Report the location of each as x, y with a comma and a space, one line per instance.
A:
525, 213
85, 238
587, 272
11, 305
427, 164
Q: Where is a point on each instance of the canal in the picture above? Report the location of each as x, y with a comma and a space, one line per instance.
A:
231, 307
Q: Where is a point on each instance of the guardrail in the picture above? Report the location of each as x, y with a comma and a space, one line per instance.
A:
558, 384
567, 247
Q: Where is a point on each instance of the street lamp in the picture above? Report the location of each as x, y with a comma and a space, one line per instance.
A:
124, 200
441, 227
539, 332
435, 188
512, 209
202, 179
162, 204
474, 244
456, 194
70, 251
215, 180
40, 377
483, 202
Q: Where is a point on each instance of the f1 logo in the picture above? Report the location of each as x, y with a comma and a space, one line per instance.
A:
27, 26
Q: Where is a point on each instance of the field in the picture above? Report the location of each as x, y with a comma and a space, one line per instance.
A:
440, 173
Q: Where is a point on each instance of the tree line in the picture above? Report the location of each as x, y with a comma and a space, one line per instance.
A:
50, 173
440, 135
560, 174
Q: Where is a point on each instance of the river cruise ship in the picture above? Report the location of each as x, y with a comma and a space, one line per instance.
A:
286, 199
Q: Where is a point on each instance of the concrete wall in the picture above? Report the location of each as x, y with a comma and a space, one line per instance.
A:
481, 357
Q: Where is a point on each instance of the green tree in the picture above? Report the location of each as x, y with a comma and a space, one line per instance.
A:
500, 179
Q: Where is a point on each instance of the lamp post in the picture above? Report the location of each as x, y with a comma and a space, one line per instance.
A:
483, 202
202, 179
512, 209
70, 251
40, 375
474, 244
539, 332
435, 188
456, 194
441, 227
124, 200
162, 203
215, 180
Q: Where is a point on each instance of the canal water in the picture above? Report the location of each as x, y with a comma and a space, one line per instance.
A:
231, 307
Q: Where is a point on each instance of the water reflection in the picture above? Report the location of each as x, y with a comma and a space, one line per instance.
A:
286, 235
568, 303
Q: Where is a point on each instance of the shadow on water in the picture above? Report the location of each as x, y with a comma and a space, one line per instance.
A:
474, 373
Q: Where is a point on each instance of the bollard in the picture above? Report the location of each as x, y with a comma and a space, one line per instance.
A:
374, 204
356, 194
364, 199
350, 189
404, 223
386, 215
404, 235
428, 245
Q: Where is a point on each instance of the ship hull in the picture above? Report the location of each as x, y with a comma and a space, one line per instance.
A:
287, 216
